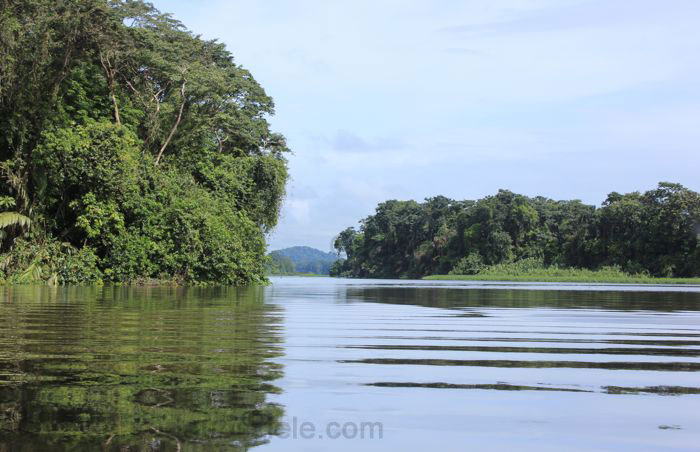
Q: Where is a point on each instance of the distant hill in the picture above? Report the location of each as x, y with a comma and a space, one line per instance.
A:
276, 264
307, 259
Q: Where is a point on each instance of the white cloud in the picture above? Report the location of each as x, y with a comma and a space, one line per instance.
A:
413, 98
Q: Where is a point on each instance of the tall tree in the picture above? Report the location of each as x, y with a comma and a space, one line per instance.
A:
133, 143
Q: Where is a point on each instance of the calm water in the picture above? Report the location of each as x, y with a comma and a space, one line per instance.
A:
321, 364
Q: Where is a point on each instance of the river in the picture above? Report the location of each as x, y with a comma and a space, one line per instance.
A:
331, 364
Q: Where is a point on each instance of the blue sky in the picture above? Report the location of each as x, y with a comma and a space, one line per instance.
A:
407, 99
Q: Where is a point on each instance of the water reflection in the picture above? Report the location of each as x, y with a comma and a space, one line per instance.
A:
468, 367
440, 367
450, 297
137, 368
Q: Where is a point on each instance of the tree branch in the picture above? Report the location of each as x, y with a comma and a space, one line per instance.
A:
109, 71
177, 123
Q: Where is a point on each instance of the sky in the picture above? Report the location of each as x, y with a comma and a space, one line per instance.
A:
409, 99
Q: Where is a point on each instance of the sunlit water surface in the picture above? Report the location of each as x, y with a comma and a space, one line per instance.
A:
322, 364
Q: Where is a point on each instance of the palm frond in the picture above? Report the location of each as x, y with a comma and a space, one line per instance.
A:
31, 274
13, 219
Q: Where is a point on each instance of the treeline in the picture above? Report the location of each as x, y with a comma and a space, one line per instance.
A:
656, 232
277, 264
300, 259
129, 149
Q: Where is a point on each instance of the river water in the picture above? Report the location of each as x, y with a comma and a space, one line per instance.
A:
331, 364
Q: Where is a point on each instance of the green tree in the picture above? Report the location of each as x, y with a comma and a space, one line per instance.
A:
128, 138
656, 232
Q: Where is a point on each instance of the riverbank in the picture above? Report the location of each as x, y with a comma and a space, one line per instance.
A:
566, 279
532, 270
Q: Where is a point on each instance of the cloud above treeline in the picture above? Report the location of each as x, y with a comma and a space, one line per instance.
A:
414, 98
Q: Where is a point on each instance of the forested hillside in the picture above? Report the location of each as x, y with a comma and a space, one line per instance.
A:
307, 259
654, 233
276, 264
129, 149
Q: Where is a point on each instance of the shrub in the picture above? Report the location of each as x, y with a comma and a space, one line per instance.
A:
469, 265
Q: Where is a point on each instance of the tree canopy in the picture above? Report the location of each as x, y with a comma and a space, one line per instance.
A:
656, 232
130, 148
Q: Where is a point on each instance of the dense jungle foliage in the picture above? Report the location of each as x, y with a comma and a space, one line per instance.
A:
655, 233
129, 149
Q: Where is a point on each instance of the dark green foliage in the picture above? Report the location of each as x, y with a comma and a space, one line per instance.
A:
132, 148
656, 233
469, 265
338, 268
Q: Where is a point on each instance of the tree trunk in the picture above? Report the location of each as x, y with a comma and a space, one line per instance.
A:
110, 72
177, 123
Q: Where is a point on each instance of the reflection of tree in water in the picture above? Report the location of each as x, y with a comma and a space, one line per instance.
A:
513, 298
137, 368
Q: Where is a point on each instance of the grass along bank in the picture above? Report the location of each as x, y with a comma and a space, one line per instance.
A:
532, 270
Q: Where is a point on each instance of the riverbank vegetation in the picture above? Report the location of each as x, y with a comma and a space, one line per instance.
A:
631, 237
276, 264
533, 269
130, 148
299, 261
